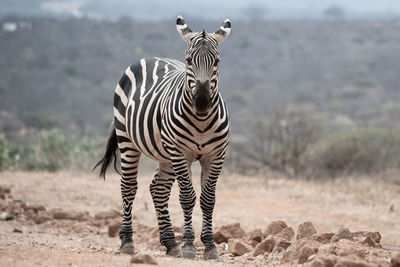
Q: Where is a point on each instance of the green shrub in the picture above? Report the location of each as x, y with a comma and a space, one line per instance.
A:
47, 150
51, 150
4, 156
85, 152
40, 121
363, 150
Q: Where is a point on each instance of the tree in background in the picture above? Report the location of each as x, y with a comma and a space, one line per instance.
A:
334, 12
281, 141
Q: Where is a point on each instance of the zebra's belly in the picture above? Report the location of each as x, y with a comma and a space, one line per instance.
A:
144, 131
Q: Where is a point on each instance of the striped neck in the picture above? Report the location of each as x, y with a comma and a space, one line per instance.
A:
188, 109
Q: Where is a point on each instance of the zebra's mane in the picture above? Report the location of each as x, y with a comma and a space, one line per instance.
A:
203, 42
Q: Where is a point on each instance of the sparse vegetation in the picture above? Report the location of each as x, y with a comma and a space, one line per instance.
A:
49, 82
281, 141
362, 151
50, 150
295, 143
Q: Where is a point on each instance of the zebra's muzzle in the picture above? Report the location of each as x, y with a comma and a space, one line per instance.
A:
202, 98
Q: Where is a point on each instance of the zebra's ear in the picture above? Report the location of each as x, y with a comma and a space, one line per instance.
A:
223, 31
183, 29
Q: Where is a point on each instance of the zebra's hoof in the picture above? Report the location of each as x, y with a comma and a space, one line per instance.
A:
174, 251
188, 251
211, 254
127, 248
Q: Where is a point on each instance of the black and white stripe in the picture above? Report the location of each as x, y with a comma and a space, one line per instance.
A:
173, 113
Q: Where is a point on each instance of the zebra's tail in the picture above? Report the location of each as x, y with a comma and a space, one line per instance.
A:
109, 155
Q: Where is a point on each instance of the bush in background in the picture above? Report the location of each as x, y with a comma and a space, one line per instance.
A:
51, 150
282, 141
292, 142
363, 151
46, 150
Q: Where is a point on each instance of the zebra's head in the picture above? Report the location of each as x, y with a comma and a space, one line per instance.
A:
202, 60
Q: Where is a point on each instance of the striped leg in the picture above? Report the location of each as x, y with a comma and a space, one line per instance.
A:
210, 170
187, 198
129, 166
160, 190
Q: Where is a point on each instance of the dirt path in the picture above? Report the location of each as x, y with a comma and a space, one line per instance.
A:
358, 204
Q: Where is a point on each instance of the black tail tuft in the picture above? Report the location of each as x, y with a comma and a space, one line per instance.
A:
110, 155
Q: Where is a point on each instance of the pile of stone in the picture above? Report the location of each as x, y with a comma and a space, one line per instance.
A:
280, 244
30, 213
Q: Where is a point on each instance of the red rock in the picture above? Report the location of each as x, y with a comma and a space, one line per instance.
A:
286, 233
326, 261
34, 207
274, 227
144, 259
30, 214
79, 216
324, 238
306, 230
361, 235
111, 214
368, 242
3, 203
238, 248
59, 214
318, 263
345, 247
225, 232
255, 235
5, 189
395, 262
292, 253
113, 229
342, 233
253, 243
305, 253
284, 244
352, 263
42, 217
267, 245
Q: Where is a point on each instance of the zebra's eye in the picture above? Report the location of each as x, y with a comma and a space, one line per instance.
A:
188, 61
216, 62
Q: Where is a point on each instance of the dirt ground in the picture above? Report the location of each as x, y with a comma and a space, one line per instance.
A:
63, 219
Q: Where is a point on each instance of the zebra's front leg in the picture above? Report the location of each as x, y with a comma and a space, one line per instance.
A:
129, 167
210, 170
160, 190
187, 198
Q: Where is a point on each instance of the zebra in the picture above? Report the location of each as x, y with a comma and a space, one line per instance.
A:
173, 113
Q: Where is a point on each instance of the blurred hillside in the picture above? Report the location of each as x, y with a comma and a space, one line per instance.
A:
62, 72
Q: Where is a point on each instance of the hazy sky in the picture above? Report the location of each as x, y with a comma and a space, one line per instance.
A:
356, 5
206, 9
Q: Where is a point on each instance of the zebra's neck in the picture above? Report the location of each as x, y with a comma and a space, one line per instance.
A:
189, 112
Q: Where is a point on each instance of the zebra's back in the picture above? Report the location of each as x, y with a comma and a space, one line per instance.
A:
140, 100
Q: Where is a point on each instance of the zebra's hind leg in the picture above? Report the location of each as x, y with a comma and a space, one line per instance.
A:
187, 198
160, 190
129, 166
